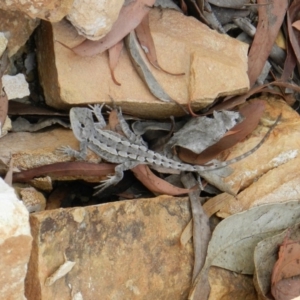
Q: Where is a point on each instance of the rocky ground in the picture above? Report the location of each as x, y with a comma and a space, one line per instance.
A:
61, 242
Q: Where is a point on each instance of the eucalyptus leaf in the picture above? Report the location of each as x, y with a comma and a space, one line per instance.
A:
235, 238
229, 3
143, 68
167, 4
140, 127
22, 124
266, 255
201, 132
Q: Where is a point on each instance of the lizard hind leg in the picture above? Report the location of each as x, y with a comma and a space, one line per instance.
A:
132, 137
118, 176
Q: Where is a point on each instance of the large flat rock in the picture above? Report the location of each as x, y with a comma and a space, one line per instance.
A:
15, 244
51, 10
122, 250
214, 65
269, 175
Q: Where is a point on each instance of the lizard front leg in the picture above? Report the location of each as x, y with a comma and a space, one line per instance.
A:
80, 155
119, 173
97, 111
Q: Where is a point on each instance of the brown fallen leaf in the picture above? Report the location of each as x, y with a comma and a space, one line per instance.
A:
294, 35
270, 18
290, 62
129, 18
252, 113
4, 62
285, 276
22, 109
156, 184
9, 173
114, 53
296, 25
183, 6
146, 41
201, 227
237, 100
62, 270
74, 168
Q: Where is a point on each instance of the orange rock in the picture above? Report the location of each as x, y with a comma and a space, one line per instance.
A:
214, 65
50, 10
121, 250
19, 26
269, 175
15, 243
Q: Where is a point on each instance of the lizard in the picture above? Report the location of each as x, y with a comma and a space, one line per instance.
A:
128, 150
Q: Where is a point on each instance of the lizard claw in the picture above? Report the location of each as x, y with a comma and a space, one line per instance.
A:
97, 111
111, 180
68, 151
96, 108
65, 150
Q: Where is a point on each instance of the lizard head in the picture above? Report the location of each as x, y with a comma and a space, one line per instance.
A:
82, 123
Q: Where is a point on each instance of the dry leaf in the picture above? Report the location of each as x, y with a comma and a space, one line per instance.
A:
22, 124
22, 109
234, 239
143, 68
201, 132
78, 169
4, 62
63, 270
156, 184
146, 41
9, 174
167, 4
265, 257
294, 35
251, 112
296, 25
285, 277
129, 18
237, 100
229, 3
201, 228
187, 233
227, 15
114, 53
270, 18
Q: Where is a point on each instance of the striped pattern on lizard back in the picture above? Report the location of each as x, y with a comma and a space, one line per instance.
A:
129, 150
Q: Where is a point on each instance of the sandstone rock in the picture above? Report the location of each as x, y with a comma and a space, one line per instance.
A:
19, 28
94, 19
3, 43
50, 10
269, 175
122, 250
15, 86
42, 183
30, 150
33, 200
230, 285
213, 64
278, 185
15, 244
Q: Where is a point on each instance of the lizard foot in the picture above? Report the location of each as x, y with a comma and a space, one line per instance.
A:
97, 111
111, 180
68, 151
